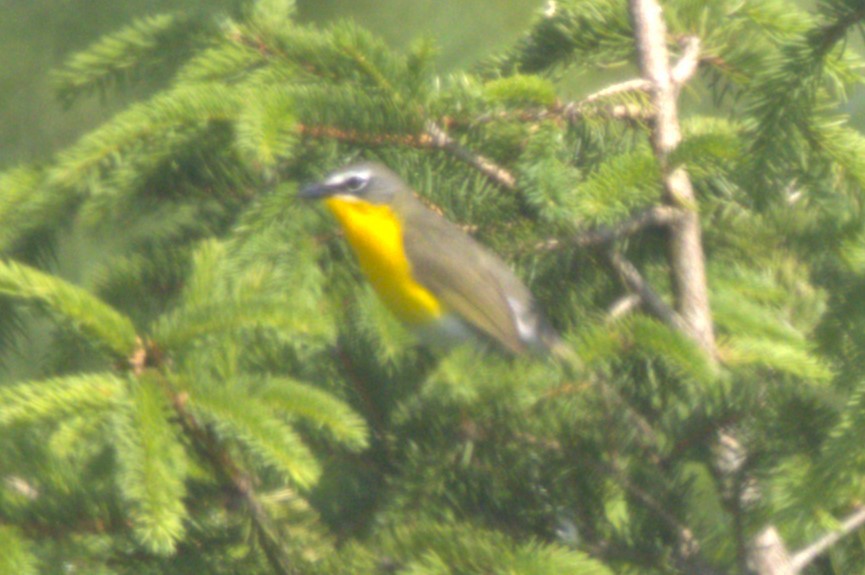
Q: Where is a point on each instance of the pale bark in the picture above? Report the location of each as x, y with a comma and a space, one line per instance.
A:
766, 553
687, 262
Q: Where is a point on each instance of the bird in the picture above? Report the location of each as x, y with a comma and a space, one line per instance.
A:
437, 280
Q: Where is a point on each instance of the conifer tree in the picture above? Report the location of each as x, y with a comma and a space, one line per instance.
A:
224, 394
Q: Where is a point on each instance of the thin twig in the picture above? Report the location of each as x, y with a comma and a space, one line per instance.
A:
657, 216
634, 281
439, 139
687, 65
573, 112
803, 558
434, 138
646, 435
623, 306
633, 85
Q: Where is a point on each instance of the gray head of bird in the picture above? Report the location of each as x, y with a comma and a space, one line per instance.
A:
367, 181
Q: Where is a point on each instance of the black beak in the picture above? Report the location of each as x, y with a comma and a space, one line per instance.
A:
314, 192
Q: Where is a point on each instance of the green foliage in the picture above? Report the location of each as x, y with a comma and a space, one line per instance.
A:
51, 400
98, 163
266, 129
214, 302
672, 348
572, 34
132, 51
316, 407
521, 90
151, 467
841, 459
251, 421
619, 187
97, 321
761, 315
24, 205
441, 549
17, 556
257, 407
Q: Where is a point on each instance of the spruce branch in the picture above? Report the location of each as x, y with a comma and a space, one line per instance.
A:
569, 34
101, 323
151, 467
373, 410
642, 291
129, 53
657, 216
834, 32
688, 547
241, 482
148, 355
44, 528
570, 112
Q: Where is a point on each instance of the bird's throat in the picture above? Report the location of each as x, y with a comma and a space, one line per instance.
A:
375, 235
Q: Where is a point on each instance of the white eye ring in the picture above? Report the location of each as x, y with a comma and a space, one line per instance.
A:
355, 183
351, 182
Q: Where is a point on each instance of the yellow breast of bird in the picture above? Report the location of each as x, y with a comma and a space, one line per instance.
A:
375, 235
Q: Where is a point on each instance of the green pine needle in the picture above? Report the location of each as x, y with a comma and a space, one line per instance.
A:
119, 56
47, 401
252, 422
152, 466
317, 407
71, 304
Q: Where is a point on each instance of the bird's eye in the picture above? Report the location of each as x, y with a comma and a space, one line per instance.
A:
355, 183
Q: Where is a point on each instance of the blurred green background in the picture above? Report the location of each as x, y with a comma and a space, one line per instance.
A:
37, 35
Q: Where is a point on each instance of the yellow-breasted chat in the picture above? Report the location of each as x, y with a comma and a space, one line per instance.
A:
434, 277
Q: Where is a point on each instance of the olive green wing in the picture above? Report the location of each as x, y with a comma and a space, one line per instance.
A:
471, 281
